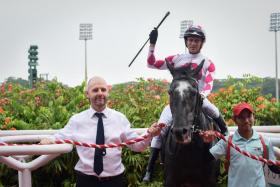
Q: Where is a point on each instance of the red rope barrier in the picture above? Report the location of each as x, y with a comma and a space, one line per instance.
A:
63, 141
112, 145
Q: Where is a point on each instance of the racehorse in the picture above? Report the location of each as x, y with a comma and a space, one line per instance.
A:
186, 156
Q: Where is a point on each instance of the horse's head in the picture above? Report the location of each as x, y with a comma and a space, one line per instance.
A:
185, 101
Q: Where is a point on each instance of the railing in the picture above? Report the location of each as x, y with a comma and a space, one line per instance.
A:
16, 156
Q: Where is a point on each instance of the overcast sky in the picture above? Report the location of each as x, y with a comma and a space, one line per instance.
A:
238, 38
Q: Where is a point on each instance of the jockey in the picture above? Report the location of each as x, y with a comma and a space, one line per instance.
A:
194, 38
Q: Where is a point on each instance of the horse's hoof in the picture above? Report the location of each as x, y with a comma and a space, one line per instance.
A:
147, 177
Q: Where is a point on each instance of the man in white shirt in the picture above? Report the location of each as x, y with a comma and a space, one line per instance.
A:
83, 127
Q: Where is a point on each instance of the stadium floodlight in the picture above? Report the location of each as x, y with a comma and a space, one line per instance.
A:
185, 24
275, 27
85, 34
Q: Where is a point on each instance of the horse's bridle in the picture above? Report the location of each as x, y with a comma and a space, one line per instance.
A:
199, 100
197, 110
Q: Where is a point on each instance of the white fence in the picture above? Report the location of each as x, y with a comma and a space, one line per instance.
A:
16, 156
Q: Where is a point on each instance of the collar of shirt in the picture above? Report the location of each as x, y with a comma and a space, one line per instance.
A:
105, 112
194, 55
238, 137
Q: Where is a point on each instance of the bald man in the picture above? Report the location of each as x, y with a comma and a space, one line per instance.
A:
85, 126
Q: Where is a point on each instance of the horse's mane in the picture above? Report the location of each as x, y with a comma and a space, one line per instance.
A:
185, 72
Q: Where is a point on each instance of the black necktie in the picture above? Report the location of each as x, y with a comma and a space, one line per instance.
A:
99, 153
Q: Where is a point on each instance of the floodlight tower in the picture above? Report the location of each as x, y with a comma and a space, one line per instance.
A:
85, 34
275, 27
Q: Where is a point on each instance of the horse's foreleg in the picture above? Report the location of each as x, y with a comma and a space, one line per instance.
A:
171, 180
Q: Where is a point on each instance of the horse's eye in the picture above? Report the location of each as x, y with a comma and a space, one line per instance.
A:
193, 92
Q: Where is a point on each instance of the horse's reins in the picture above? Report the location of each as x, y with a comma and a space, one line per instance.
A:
198, 104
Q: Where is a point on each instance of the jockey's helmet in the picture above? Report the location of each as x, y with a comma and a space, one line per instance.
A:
196, 31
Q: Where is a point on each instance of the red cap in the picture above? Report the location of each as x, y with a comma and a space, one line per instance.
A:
237, 109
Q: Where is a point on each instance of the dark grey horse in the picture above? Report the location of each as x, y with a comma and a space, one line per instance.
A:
186, 157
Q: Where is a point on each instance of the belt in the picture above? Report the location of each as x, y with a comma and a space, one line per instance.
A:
99, 178
105, 178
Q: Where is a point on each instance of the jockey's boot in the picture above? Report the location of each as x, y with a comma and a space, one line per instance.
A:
222, 124
150, 168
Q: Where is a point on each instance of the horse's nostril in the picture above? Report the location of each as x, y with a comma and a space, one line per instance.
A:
179, 131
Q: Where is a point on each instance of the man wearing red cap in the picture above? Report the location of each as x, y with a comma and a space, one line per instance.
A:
244, 171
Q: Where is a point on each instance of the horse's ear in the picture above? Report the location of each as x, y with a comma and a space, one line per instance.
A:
199, 67
169, 66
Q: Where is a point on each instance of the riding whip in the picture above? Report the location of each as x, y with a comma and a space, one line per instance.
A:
167, 14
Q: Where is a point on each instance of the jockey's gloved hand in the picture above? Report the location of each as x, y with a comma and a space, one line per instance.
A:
153, 36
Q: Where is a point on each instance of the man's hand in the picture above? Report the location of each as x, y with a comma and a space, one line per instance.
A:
46, 141
208, 136
203, 95
154, 130
153, 36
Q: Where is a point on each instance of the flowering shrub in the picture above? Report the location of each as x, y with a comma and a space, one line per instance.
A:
47, 107
51, 104
267, 110
142, 102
